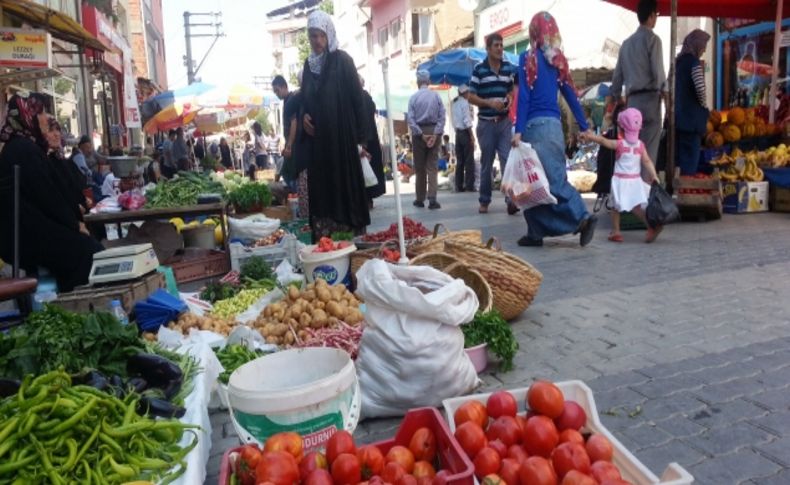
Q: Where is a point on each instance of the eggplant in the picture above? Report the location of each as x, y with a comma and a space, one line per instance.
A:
116, 381
137, 384
117, 386
9, 387
94, 379
157, 370
171, 389
153, 406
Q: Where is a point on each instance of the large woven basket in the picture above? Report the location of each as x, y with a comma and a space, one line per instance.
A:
436, 243
476, 282
434, 260
514, 282
360, 256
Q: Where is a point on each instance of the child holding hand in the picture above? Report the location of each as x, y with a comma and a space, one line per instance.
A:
628, 191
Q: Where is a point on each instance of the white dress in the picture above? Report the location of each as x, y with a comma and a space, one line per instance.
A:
628, 190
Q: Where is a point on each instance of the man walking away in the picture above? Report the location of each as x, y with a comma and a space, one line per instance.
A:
426, 122
180, 150
290, 112
168, 163
464, 142
491, 88
640, 68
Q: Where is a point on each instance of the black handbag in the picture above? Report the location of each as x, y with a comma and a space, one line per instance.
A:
661, 209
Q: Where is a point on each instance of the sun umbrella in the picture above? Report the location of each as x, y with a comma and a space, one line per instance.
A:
455, 66
173, 116
237, 95
218, 121
596, 92
158, 102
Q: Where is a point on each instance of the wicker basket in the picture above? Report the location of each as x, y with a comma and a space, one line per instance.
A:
360, 256
435, 260
436, 243
514, 282
476, 282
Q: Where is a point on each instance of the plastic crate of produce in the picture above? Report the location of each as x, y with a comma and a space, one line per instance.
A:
196, 264
287, 248
630, 467
449, 453
299, 228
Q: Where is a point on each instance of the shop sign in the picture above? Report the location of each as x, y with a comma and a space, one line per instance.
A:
111, 37
25, 48
131, 110
501, 16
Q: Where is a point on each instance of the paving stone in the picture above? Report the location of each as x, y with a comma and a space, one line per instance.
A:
777, 399
777, 423
735, 468
680, 426
669, 385
608, 382
727, 391
646, 435
722, 414
657, 458
727, 439
679, 403
778, 450
781, 478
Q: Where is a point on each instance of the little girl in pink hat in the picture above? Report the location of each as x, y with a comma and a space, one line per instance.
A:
629, 191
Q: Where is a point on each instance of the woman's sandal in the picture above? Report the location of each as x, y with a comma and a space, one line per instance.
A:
616, 238
652, 233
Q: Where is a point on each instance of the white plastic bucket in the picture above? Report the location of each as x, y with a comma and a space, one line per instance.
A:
312, 391
332, 267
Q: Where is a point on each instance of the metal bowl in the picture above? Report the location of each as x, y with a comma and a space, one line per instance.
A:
124, 166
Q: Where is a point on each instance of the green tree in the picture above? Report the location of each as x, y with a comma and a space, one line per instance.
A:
263, 119
302, 42
63, 85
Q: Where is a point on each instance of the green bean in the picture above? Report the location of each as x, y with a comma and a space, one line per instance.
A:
125, 471
7, 445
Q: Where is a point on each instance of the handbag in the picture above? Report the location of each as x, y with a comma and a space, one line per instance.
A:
661, 209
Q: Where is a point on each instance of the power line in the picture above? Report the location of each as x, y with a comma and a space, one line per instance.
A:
214, 23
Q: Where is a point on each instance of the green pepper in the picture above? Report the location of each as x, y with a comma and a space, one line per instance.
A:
8, 428
13, 466
73, 420
85, 446
125, 471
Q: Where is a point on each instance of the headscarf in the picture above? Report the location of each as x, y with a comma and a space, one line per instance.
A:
322, 21
695, 43
545, 35
53, 125
630, 122
22, 119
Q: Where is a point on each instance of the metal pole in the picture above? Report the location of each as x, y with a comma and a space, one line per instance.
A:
673, 41
394, 161
187, 38
105, 111
775, 67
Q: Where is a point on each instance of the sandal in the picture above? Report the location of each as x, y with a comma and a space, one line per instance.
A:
652, 233
616, 238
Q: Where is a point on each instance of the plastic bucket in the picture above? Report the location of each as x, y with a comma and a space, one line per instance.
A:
198, 237
332, 267
312, 391
479, 356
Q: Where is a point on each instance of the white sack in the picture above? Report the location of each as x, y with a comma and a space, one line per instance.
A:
253, 227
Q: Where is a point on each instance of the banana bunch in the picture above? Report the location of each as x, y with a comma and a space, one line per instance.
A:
751, 172
731, 174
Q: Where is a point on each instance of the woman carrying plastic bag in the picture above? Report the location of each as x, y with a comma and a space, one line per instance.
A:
525, 180
412, 350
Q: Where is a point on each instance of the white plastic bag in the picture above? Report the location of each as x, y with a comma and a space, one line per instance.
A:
524, 180
254, 227
367, 171
412, 350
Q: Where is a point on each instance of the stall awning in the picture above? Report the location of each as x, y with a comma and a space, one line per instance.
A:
60, 25
742, 9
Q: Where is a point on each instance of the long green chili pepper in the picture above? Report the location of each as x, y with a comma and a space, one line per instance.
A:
9, 428
13, 466
73, 420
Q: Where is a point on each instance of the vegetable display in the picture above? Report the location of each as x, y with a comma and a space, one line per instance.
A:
490, 328
234, 356
54, 432
231, 307
271, 239
342, 336
187, 321
218, 291
181, 190
411, 230
256, 268
317, 306
251, 196
327, 245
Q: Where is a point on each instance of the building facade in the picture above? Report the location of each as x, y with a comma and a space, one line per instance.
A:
147, 39
286, 26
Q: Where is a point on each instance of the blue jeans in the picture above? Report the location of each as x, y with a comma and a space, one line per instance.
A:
494, 138
564, 217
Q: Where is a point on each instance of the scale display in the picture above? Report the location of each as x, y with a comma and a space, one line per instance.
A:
123, 263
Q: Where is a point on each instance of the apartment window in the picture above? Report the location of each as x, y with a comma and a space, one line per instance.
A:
282, 39
360, 45
383, 41
422, 29
395, 35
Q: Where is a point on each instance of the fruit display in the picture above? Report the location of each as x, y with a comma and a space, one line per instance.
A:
411, 230
737, 124
318, 305
749, 171
327, 245
271, 239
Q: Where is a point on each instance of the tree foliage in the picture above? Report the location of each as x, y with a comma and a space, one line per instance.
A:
302, 42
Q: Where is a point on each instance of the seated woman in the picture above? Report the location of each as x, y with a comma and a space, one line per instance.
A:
51, 234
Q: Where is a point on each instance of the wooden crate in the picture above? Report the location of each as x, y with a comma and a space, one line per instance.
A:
779, 199
699, 206
90, 298
197, 264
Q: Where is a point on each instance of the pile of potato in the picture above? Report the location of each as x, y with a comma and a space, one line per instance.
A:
319, 305
190, 320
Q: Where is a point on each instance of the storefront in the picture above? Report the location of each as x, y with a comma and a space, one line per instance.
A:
509, 20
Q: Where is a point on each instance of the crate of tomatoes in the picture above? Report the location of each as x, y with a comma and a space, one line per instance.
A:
546, 434
423, 452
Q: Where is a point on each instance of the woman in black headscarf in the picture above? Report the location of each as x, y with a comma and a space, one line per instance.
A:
51, 234
334, 126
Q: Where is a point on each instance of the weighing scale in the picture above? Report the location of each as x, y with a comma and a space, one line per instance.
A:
123, 263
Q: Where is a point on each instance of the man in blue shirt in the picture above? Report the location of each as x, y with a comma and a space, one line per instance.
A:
491, 88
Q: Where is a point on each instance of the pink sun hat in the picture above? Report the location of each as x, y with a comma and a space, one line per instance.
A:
630, 121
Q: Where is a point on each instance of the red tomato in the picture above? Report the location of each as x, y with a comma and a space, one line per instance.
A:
575, 477
425, 481
376, 480
517, 453
604, 470
371, 460
346, 469
499, 447
522, 423
506, 429
318, 477
277, 467
288, 441
422, 469
537, 470
423, 444
441, 477
407, 479
501, 403
339, 443
492, 479
471, 437
545, 398
486, 462
509, 471
312, 461
615, 482
540, 437
572, 417
570, 456
474, 411
571, 435
249, 457
393, 471
401, 455
599, 448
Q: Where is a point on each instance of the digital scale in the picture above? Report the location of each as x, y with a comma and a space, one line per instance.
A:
123, 263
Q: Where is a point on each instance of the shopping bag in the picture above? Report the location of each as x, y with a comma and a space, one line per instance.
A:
367, 171
524, 180
661, 209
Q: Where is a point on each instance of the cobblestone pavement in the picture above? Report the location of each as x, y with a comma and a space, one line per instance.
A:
685, 342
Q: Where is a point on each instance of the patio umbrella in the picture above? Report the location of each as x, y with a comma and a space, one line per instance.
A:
220, 120
596, 92
158, 102
173, 116
237, 95
455, 66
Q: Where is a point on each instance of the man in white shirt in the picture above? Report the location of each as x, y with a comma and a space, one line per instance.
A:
464, 142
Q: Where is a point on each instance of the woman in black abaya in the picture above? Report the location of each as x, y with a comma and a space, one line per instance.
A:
373, 147
334, 121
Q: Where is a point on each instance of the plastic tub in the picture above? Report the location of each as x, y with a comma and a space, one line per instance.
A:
198, 237
333, 267
479, 356
631, 468
312, 391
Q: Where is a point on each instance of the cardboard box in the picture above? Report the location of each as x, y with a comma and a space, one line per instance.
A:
780, 199
85, 299
744, 197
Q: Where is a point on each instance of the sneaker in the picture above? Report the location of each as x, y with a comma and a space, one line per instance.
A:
527, 242
587, 230
512, 209
418, 203
434, 205
483, 209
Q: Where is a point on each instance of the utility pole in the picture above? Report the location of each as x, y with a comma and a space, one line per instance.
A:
188, 36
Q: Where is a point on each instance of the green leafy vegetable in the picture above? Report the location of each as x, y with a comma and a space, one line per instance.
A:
492, 329
256, 268
218, 291
181, 190
250, 196
342, 236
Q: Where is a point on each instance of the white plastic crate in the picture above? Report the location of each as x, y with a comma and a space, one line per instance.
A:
287, 248
630, 467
